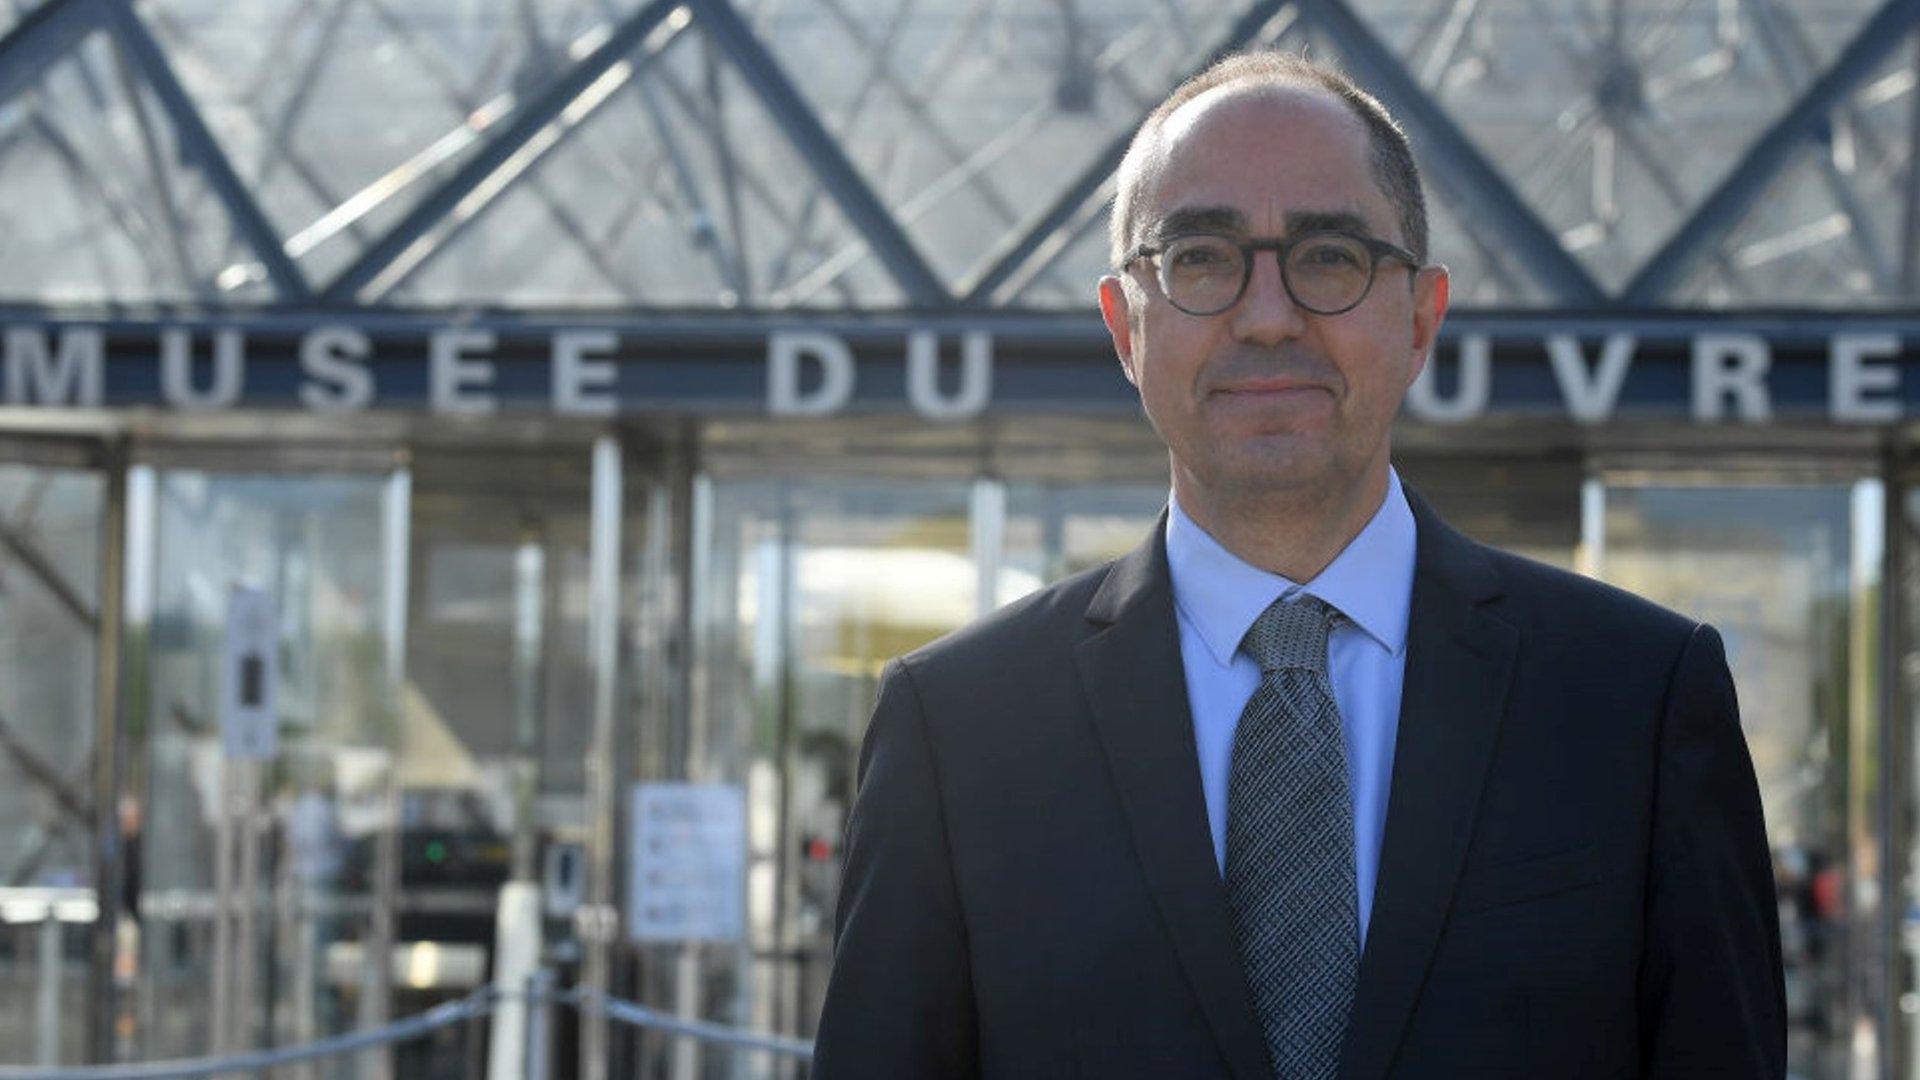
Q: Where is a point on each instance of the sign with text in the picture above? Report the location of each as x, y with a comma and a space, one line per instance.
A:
1582, 368
249, 718
689, 863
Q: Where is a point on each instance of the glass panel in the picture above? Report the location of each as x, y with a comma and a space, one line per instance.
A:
49, 606
499, 695
965, 118
1057, 530
91, 155
1777, 571
1528, 507
806, 589
255, 893
669, 186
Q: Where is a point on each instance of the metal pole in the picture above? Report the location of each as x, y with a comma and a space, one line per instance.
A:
46, 1027
220, 995
599, 918
476, 1049
988, 537
539, 1012
246, 902
304, 932
785, 597
1896, 769
699, 555
109, 731
130, 609
377, 1000
529, 623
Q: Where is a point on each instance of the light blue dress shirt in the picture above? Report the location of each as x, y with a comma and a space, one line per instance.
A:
1217, 597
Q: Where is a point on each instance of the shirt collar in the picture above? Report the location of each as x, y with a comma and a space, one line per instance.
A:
1370, 581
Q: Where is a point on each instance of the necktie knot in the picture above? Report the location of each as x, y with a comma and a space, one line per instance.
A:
1291, 634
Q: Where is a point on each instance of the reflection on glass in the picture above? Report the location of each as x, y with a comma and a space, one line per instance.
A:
252, 901
1057, 530
49, 607
807, 589
497, 708
1776, 571
1528, 507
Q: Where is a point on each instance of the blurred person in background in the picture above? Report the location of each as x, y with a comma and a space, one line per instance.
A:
1307, 785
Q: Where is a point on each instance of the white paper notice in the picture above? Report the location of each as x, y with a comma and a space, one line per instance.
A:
249, 716
689, 863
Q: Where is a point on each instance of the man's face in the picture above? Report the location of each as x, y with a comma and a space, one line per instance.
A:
1266, 396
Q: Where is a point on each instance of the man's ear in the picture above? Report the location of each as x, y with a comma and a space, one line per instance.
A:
1114, 311
1431, 286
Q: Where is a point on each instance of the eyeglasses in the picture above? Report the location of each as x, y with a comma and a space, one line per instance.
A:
1324, 272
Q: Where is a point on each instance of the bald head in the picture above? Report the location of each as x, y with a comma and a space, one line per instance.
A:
1393, 167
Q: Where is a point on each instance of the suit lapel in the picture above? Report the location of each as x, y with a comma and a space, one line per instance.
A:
1136, 684
1459, 663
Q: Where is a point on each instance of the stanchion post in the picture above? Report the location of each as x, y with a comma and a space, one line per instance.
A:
539, 1024
476, 1048
47, 1005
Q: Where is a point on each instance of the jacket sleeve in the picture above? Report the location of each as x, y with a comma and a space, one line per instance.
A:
899, 1002
1712, 997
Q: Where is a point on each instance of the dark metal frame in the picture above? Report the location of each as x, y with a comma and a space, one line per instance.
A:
58, 27
803, 129
1807, 117
528, 119
1468, 176
146, 55
1019, 246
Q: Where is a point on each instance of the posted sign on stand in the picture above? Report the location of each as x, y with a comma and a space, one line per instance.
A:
689, 863
249, 722
249, 738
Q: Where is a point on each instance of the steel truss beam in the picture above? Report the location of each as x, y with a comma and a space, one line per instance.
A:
530, 117
440, 237
971, 170
1716, 216
1862, 233
44, 35
835, 172
1474, 182
146, 56
49, 576
42, 774
1006, 260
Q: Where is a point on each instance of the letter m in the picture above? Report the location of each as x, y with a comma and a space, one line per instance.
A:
37, 374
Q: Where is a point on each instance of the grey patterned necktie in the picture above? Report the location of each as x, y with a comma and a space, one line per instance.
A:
1290, 877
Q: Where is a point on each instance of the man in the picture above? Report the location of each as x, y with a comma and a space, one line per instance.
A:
1308, 785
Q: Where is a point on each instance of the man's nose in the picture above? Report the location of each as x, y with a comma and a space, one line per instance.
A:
1266, 313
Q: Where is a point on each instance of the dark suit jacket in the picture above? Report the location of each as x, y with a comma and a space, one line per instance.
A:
1574, 879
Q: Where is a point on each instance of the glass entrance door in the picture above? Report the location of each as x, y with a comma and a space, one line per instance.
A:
1789, 573
260, 906
498, 707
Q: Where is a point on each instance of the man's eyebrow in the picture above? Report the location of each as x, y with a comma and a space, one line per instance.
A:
1192, 219
1225, 219
1336, 220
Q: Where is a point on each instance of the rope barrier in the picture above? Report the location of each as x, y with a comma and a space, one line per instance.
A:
478, 1004
628, 1012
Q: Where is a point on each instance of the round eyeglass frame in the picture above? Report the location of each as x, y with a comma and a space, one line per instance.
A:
1376, 248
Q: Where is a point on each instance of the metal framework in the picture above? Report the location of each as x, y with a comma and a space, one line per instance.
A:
719, 165
934, 209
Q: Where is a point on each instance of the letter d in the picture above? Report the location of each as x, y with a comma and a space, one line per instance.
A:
784, 352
